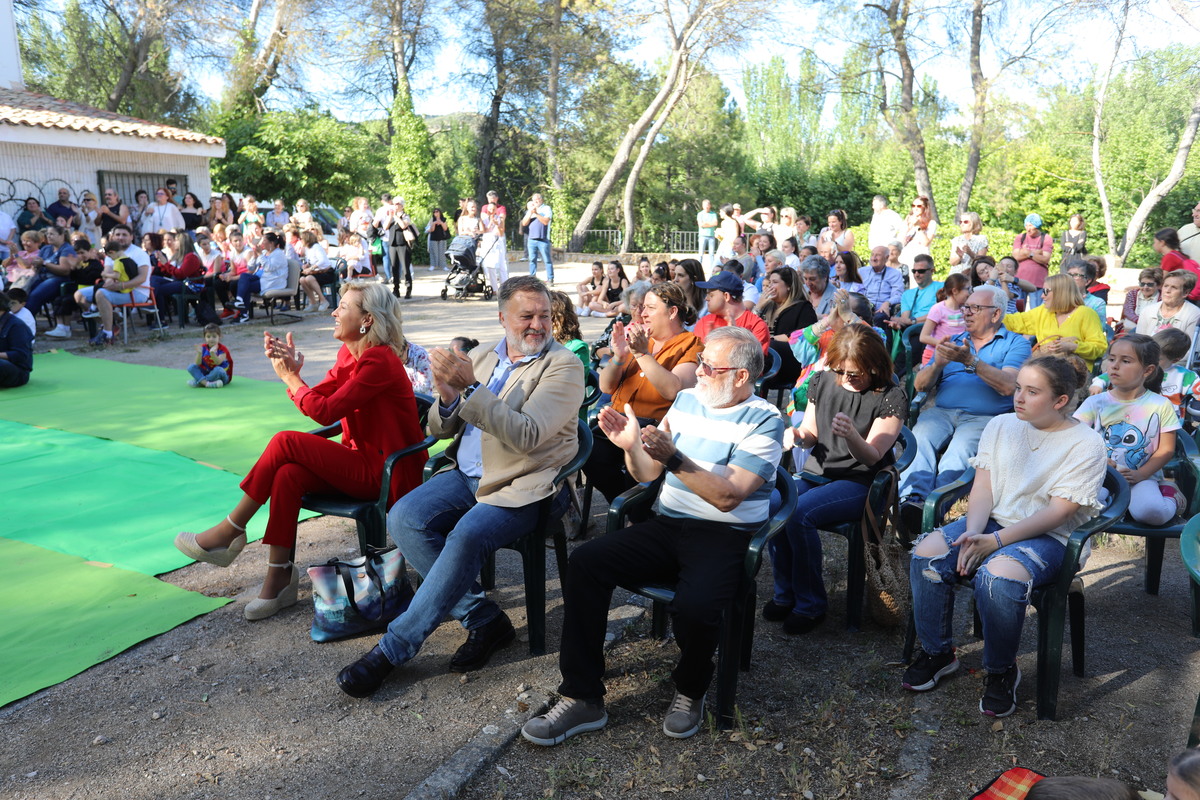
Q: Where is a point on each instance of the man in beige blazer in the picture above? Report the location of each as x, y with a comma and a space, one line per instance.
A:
512, 412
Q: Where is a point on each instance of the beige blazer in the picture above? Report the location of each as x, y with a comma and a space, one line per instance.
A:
529, 430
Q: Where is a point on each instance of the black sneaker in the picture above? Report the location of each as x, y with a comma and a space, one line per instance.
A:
773, 612
1000, 693
926, 670
912, 515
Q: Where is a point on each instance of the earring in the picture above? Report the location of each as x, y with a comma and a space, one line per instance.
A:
362, 328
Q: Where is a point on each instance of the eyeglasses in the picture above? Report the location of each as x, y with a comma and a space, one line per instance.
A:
975, 308
964, 222
1148, 285
1075, 274
704, 366
848, 374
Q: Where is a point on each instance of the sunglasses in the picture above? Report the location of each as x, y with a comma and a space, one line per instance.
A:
848, 374
918, 271
964, 222
1148, 285
704, 366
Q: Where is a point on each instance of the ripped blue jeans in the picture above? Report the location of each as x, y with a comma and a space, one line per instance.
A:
1001, 602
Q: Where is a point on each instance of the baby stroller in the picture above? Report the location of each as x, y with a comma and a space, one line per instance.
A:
466, 271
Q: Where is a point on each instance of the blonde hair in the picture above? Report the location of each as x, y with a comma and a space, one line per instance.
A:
386, 327
1065, 294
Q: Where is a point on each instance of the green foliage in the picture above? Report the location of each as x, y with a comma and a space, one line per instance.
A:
294, 154
79, 56
409, 157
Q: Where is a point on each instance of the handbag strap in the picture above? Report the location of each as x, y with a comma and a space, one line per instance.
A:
875, 525
344, 571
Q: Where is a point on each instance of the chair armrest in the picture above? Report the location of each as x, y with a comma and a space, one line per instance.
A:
909, 452
329, 431
786, 486
940, 499
435, 464
637, 497
1189, 548
390, 463
1119, 492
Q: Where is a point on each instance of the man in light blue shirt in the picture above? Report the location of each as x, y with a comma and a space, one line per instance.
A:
882, 285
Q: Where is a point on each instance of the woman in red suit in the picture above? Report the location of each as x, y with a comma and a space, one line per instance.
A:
369, 391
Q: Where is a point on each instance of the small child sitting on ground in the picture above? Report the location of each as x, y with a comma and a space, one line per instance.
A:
19, 298
213, 367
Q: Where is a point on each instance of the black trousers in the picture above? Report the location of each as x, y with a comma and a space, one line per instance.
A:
704, 561
399, 262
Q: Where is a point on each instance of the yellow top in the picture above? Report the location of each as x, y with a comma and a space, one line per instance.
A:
1083, 323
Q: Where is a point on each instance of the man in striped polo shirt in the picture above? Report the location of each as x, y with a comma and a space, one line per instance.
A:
719, 446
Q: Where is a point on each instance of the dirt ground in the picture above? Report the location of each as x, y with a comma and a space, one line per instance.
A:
223, 708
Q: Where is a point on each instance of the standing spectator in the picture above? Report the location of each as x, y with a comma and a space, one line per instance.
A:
16, 348
192, 212
494, 247
920, 231
387, 229
804, 230
163, 215
766, 222
172, 187
1073, 242
141, 201
883, 285
32, 218
250, 216
537, 217
219, 212
838, 231
112, 212
361, 220
729, 229
1167, 245
437, 234
706, 229
343, 223
1189, 236
63, 211
786, 227
89, 218
277, 217
303, 218
1032, 250
970, 244
886, 224
724, 298
8, 235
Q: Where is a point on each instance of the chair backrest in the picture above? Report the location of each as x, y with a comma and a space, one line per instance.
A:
786, 486
293, 283
424, 403
591, 391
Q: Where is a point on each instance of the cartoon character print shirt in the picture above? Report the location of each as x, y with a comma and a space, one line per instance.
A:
1131, 430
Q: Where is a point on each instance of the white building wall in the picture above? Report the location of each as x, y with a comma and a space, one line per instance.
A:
27, 169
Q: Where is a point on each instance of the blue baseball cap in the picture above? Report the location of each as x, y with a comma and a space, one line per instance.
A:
725, 281
1034, 220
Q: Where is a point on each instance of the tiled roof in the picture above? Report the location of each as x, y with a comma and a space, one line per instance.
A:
42, 111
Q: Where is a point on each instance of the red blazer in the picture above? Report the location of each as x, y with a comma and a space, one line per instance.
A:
374, 401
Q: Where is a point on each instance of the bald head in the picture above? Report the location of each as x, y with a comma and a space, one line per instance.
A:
879, 257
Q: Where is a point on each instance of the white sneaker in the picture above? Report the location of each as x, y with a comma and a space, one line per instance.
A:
60, 331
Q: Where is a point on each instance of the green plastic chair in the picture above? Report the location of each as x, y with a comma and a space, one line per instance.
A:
1051, 600
856, 558
370, 516
737, 623
532, 546
1183, 466
1189, 548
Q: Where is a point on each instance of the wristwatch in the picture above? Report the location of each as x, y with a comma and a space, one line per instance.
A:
674, 462
467, 392
971, 367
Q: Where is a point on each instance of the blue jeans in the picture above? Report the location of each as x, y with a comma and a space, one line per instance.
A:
217, 374
540, 247
796, 553
1001, 602
447, 535
45, 291
708, 244
937, 428
248, 283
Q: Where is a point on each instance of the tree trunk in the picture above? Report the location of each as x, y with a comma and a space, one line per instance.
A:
643, 153
552, 96
625, 148
1097, 119
903, 119
979, 111
1186, 139
488, 131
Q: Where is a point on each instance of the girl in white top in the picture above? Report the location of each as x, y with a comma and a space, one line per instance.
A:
1038, 477
493, 246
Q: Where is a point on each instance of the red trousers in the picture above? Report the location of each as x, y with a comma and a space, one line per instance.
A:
295, 464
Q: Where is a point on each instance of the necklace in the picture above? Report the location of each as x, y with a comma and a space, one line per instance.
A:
1042, 441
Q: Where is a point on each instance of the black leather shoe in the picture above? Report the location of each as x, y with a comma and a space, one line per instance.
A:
481, 643
408, 292
798, 625
365, 676
773, 612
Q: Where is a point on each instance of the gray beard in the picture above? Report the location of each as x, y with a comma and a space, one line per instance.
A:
715, 395
518, 343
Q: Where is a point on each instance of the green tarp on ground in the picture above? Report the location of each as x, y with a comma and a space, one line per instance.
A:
153, 407
109, 501
61, 614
